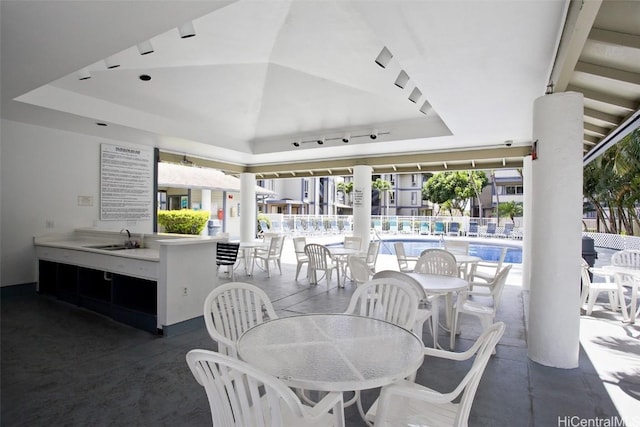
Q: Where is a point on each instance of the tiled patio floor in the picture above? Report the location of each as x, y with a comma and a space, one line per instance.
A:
65, 366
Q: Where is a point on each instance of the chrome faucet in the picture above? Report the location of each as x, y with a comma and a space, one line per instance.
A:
128, 243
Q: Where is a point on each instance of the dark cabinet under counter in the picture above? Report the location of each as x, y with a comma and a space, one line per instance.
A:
126, 299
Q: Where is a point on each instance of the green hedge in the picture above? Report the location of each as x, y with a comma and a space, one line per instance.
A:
185, 221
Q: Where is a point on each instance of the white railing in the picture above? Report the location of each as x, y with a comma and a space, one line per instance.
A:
385, 224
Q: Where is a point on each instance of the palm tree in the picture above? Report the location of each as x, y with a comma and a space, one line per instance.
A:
510, 209
382, 186
346, 188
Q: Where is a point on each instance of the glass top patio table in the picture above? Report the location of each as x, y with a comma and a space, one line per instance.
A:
332, 352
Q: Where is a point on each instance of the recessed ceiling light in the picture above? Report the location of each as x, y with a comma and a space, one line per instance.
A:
101, 124
145, 77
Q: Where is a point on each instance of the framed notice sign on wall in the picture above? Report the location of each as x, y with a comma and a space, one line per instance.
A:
126, 183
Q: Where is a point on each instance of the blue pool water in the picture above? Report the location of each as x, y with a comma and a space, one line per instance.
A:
487, 252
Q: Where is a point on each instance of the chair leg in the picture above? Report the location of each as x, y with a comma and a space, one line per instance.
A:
298, 268
454, 326
613, 301
591, 300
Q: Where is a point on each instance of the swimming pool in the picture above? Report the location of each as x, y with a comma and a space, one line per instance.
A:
486, 251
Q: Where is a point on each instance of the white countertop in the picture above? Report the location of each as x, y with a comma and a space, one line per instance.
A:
83, 240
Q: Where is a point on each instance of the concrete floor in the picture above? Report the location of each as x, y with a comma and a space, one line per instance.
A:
62, 365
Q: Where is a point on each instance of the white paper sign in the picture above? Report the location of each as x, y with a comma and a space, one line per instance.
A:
126, 183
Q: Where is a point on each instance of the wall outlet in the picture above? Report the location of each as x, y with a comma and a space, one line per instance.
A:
185, 292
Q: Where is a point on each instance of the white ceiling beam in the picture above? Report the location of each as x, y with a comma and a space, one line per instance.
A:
610, 119
596, 129
580, 18
626, 104
608, 72
615, 38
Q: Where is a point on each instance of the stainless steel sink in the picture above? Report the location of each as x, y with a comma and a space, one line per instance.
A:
112, 247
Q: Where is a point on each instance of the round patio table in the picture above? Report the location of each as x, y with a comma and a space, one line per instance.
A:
332, 352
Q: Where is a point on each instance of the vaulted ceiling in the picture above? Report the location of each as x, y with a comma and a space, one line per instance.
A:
259, 77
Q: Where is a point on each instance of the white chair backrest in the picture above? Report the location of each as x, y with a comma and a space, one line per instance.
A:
242, 395
457, 247
392, 274
298, 245
360, 271
626, 258
437, 261
401, 256
497, 286
372, 252
353, 242
386, 299
319, 256
231, 309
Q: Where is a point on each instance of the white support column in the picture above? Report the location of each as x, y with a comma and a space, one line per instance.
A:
362, 203
205, 204
527, 214
248, 208
556, 235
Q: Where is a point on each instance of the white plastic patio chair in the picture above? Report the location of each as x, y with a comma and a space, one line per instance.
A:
353, 242
457, 247
371, 257
405, 263
485, 313
591, 290
271, 254
242, 395
320, 259
437, 261
359, 270
424, 312
301, 258
486, 271
626, 258
405, 403
231, 309
389, 299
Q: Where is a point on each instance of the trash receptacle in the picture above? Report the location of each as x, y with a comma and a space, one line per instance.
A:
213, 227
589, 252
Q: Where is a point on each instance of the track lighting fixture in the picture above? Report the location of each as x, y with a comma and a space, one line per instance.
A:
402, 79
186, 30
84, 74
145, 47
346, 137
374, 134
426, 108
384, 57
415, 95
110, 63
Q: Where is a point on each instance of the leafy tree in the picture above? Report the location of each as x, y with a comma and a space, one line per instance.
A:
453, 190
511, 209
346, 188
611, 185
